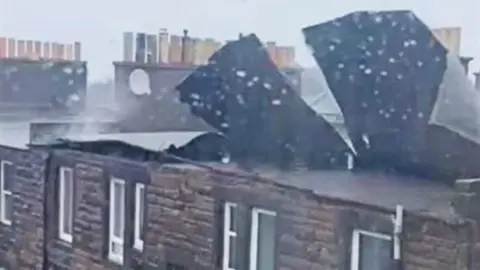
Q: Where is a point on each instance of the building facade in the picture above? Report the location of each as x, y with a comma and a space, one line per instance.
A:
68, 209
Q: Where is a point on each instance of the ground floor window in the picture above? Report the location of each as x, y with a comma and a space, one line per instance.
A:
260, 245
371, 251
116, 220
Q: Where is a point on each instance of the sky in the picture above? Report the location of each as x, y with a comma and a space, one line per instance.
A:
99, 24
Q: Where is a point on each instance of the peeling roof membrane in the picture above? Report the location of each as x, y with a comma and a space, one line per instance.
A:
241, 93
195, 146
154, 141
386, 71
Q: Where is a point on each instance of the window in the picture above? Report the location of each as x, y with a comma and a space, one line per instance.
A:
371, 251
261, 236
139, 213
229, 237
6, 198
117, 220
65, 203
262, 240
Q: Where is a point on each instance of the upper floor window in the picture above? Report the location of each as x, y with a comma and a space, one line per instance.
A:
116, 220
262, 240
65, 204
261, 235
139, 215
6, 197
229, 237
371, 251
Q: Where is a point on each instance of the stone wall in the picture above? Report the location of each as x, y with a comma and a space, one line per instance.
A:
92, 174
21, 244
312, 233
183, 218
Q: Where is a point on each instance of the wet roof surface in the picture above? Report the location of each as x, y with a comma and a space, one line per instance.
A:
376, 189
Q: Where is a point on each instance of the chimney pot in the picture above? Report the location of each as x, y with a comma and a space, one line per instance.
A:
477, 80
465, 62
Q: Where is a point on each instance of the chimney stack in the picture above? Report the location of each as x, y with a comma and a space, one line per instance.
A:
477, 80
140, 48
47, 51
152, 48
128, 47
77, 51
12, 48
184, 46
38, 49
465, 62
3, 47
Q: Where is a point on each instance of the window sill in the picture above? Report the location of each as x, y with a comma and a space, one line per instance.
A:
115, 259
138, 245
6, 222
67, 238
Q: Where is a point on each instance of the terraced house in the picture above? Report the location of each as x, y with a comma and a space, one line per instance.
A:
70, 209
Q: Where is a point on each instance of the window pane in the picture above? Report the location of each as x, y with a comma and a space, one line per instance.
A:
232, 249
67, 201
233, 219
266, 242
8, 173
8, 206
117, 248
375, 253
142, 210
118, 210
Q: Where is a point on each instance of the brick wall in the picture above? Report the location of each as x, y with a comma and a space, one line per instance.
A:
21, 244
313, 233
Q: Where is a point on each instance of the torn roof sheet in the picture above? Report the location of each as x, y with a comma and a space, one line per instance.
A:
387, 72
153, 141
241, 93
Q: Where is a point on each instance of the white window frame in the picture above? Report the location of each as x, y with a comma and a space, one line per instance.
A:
113, 239
256, 212
65, 236
138, 242
227, 233
4, 193
355, 254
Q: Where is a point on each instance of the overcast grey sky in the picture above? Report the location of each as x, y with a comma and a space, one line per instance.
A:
99, 24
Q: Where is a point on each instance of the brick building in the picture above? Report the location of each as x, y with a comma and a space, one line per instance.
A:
184, 216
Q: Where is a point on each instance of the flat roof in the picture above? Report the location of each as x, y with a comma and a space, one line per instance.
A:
377, 189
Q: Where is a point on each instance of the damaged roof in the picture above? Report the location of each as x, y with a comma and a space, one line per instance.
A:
373, 188
377, 189
153, 141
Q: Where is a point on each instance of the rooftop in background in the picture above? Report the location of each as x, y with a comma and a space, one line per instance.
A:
185, 50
